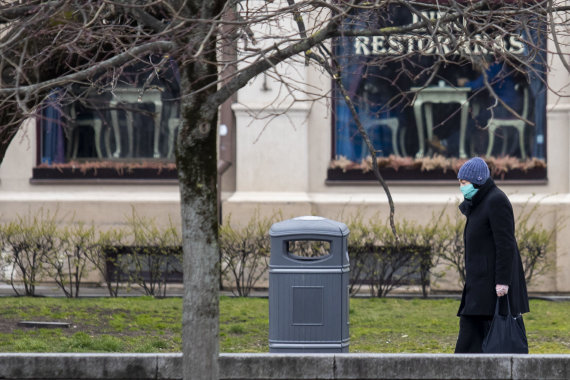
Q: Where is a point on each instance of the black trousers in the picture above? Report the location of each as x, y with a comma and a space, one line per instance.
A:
472, 331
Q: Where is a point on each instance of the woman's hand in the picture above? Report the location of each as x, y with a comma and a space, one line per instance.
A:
501, 290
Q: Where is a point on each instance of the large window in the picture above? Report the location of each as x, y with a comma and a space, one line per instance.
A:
427, 126
123, 130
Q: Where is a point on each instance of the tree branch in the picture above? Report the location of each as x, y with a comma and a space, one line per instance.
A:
12, 12
345, 95
260, 66
145, 18
89, 72
555, 38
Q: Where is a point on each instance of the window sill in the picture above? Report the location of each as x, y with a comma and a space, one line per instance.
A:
403, 176
44, 175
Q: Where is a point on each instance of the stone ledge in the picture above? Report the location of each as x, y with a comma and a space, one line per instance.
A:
287, 366
422, 366
541, 367
78, 366
277, 366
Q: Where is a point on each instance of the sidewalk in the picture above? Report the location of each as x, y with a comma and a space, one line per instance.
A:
177, 290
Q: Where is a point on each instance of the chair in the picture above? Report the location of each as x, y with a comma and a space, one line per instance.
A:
76, 122
369, 123
494, 124
173, 125
391, 122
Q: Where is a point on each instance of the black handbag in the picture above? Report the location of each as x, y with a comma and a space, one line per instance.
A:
507, 334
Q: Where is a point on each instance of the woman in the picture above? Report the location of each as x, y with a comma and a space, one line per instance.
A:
493, 266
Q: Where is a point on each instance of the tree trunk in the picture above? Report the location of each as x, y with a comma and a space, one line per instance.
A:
198, 181
196, 161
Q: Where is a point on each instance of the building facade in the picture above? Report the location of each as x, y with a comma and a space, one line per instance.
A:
300, 154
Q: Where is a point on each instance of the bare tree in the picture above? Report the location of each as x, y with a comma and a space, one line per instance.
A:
76, 47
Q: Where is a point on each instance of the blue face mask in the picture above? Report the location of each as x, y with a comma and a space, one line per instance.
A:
468, 191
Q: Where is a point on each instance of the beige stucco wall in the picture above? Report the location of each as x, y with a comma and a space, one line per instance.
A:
281, 166
107, 206
275, 172
283, 149
104, 204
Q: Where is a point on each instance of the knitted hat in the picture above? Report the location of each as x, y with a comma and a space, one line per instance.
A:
475, 171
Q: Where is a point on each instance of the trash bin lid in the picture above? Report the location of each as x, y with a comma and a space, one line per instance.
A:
308, 225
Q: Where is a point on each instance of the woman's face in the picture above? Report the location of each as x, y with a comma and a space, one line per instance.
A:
463, 182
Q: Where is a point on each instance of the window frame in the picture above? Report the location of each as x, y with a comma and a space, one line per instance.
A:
412, 172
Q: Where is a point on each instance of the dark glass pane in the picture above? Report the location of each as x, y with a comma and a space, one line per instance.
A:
124, 122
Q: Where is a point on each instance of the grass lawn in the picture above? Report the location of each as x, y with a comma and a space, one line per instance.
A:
144, 324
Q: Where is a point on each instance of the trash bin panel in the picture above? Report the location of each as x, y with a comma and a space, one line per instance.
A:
298, 307
308, 303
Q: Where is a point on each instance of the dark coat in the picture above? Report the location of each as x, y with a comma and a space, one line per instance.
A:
491, 254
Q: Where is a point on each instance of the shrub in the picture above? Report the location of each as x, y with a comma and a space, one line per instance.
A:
535, 241
385, 262
452, 252
245, 252
67, 265
35, 248
103, 256
28, 243
153, 254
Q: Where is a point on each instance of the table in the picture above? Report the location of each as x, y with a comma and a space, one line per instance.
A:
134, 95
442, 94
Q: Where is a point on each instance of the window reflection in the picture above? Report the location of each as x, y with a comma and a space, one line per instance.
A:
135, 119
454, 115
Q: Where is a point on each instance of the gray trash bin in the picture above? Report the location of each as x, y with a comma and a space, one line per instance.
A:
308, 294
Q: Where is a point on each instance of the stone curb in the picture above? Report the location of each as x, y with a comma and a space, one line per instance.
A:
19, 366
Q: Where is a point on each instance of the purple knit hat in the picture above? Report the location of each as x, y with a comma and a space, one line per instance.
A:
475, 171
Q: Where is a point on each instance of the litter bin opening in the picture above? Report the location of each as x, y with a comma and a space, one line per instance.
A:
308, 249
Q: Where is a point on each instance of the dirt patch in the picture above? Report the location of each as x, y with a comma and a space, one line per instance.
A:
99, 324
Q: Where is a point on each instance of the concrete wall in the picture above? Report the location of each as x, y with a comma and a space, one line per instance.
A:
288, 367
